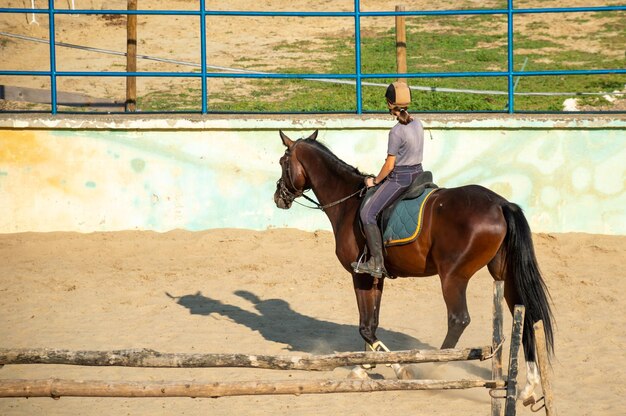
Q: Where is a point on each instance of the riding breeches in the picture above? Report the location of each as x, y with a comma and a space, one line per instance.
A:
396, 182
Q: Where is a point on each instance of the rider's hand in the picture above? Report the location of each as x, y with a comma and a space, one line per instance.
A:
369, 182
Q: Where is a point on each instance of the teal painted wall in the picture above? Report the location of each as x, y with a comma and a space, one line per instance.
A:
567, 177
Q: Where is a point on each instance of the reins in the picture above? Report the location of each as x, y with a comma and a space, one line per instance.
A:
323, 207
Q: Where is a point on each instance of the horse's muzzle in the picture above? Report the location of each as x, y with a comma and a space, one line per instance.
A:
282, 202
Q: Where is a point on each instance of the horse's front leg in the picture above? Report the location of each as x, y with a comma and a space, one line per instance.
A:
368, 296
369, 292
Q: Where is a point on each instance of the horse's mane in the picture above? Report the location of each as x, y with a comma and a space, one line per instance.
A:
332, 157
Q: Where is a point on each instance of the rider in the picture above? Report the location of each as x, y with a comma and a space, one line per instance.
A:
405, 150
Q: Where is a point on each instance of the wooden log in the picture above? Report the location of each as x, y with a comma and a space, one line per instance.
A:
56, 388
544, 368
516, 341
401, 43
497, 403
151, 358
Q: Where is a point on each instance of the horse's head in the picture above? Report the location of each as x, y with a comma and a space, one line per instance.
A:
293, 179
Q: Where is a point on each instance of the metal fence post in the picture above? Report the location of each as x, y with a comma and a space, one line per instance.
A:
357, 51
510, 56
203, 55
53, 61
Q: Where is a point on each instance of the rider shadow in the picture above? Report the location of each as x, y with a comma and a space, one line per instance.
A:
276, 321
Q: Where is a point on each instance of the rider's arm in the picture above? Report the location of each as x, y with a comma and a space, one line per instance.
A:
388, 166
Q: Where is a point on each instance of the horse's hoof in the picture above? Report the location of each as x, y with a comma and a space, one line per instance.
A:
358, 373
403, 372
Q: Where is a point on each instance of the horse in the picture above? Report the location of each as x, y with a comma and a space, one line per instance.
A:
464, 230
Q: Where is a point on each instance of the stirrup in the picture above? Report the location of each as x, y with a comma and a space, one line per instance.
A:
377, 275
356, 266
360, 261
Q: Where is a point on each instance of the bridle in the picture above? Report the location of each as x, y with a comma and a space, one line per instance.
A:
286, 194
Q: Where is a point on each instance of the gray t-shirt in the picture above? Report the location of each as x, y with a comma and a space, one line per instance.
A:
406, 143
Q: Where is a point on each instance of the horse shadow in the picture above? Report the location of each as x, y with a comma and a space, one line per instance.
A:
277, 321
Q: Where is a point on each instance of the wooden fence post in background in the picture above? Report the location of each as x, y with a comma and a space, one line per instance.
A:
401, 43
131, 57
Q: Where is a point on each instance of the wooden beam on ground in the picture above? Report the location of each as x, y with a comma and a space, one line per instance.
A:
151, 358
56, 388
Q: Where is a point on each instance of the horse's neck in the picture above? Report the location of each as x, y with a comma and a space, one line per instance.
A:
330, 181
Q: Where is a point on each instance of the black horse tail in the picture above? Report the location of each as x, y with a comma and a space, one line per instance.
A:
521, 269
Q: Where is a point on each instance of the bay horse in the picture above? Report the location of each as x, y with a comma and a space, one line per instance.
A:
464, 229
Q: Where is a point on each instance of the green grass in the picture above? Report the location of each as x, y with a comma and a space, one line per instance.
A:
189, 100
436, 44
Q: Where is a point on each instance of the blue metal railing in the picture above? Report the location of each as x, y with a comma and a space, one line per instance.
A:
203, 55
357, 76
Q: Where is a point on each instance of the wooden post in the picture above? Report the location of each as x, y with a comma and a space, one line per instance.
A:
56, 388
496, 361
401, 43
131, 57
544, 368
516, 341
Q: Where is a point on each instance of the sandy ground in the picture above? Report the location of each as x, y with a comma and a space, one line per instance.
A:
282, 291
275, 292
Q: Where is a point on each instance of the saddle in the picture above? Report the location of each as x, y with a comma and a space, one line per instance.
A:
405, 218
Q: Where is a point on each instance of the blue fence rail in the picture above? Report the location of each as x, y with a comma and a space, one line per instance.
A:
358, 76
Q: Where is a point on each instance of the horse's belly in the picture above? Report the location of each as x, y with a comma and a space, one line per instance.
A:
409, 261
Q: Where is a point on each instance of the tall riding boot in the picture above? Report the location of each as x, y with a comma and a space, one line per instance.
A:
376, 264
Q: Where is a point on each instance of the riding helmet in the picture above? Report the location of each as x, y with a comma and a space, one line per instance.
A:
398, 95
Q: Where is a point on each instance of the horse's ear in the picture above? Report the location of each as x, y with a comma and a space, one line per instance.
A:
286, 140
314, 135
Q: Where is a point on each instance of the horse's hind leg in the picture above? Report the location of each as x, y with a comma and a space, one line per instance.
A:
533, 379
454, 294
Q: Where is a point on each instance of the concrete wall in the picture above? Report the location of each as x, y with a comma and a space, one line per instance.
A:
87, 173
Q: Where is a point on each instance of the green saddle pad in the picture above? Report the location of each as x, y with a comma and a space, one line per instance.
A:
405, 222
